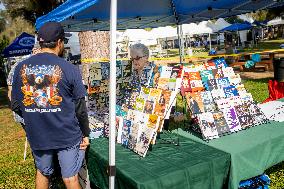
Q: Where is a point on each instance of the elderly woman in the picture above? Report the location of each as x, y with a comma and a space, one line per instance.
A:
144, 71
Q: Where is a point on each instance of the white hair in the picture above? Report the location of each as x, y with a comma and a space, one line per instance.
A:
139, 48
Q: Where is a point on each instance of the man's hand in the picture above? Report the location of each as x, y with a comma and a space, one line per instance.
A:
84, 143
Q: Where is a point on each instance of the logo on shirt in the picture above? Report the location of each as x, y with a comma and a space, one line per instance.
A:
40, 85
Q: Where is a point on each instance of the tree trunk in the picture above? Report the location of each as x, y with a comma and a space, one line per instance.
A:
94, 45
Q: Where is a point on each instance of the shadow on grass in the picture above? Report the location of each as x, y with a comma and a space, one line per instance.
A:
4, 101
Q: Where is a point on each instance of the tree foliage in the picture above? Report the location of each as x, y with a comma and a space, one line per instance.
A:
30, 9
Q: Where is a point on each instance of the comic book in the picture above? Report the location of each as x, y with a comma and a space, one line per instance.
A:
220, 123
228, 72
154, 94
235, 80
232, 119
176, 71
206, 75
211, 85
196, 85
185, 86
172, 84
230, 91
220, 63
163, 83
256, 113
208, 102
223, 82
147, 135
207, 126
194, 76
195, 102
209, 65
165, 71
217, 73
218, 94
244, 116
105, 70
144, 93
139, 105
149, 106
126, 130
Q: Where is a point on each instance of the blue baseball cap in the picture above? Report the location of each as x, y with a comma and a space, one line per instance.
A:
50, 32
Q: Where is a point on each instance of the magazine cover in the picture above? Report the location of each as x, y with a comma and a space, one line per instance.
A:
207, 126
232, 119
149, 107
194, 76
223, 82
206, 75
211, 84
220, 123
230, 91
154, 94
235, 80
195, 102
256, 113
220, 63
176, 71
160, 109
118, 69
228, 72
208, 102
126, 130
105, 70
144, 93
147, 135
185, 86
133, 136
196, 85
217, 73
165, 97
245, 119
165, 72
172, 84
139, 105
210, 65
163, 83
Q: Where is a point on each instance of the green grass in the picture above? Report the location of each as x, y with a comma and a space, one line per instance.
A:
16, 173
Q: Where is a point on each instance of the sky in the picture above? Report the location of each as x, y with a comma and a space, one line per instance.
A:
1, 6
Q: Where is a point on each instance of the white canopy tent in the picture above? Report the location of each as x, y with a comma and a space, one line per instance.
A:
276, 21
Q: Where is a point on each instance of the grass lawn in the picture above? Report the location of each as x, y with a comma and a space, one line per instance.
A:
16, 173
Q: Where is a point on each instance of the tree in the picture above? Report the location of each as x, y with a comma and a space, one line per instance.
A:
29, 9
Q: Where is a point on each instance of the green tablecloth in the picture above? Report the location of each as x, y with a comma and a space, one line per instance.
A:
190, 165
252, 151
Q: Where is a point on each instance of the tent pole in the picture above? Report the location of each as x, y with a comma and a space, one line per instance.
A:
112, 93
179, 45
210, 44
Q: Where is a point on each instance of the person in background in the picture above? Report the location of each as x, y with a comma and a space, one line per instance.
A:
17, 118
48, 93
144, 72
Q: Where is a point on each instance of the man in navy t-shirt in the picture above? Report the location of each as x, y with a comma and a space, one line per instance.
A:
49, 94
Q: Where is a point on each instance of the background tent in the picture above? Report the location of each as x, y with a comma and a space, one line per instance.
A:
22, 45
86, 15
237, 27
276, 21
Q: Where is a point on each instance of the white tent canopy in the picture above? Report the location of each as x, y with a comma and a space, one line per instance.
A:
276, 21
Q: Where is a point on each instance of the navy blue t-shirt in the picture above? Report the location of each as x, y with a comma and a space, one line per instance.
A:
45, 86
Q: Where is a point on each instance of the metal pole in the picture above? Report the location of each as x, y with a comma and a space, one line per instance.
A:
179, 45
210, 45
112, 93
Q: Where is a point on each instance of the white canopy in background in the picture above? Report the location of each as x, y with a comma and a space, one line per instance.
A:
276, 21
164, 32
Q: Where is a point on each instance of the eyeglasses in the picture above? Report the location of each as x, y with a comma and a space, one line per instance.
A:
137, 58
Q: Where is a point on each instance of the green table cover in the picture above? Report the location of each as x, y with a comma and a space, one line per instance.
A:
252, 151
190, 165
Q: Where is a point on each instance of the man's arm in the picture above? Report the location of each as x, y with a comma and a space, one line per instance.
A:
82, 116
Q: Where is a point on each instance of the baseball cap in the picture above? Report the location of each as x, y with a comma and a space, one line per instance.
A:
50, 32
